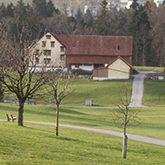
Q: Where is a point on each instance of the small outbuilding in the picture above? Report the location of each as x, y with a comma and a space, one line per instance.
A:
116, 69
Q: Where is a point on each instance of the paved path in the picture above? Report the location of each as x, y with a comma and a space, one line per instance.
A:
114, 133
137, 90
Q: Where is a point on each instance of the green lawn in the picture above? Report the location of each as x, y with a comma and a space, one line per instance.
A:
154, 93
103, 93
36, 144
149, 68
152, 121
144, 68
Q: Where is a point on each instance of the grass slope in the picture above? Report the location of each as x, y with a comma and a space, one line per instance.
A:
103, 93
37, 144
152, 120
154, 93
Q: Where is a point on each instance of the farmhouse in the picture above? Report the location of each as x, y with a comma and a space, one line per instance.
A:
82, 51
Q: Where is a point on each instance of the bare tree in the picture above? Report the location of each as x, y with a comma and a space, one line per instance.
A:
59, 86
124, 115
18, 64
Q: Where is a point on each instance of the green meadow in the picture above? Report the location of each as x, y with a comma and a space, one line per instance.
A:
149, 68
37, 144
154, 93
103, 93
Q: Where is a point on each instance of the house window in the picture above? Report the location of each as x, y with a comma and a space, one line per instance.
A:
43, 43
37, 60
62, 49
118, 48
52, 43
61, 57
47, 52
47, 60
48, 36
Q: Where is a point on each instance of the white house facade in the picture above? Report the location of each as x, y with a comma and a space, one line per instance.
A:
49, 52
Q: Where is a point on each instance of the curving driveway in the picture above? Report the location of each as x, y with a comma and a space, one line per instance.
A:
137, 90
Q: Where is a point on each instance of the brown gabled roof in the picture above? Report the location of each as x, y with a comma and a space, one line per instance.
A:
119, 57
96, 45
55, 36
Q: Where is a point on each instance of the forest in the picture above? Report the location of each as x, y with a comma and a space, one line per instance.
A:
146, 23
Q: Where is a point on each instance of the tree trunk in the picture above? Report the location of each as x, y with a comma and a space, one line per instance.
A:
125, 141
20, 113
143, 51
124, 146
57, 118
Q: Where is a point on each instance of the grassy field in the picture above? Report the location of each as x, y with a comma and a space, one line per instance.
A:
154, 93
36, 144
144, 68
149, 68
103, 93
152, 121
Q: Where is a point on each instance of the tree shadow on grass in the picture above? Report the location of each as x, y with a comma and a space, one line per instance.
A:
32, 128
53, 110
68, 139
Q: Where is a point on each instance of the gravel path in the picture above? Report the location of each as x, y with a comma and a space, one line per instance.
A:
114, 133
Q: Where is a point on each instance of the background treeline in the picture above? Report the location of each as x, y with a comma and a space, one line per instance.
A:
146, 23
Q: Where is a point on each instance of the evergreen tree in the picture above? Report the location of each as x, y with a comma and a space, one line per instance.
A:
78, 15
50, 8
139, 28
24, 16
20, 13
2, 11
103, 22
90, 22
134, 5
33, 23
20, 16
104, 5
41, 7
88, 15
45, 9
10, 10
72, 23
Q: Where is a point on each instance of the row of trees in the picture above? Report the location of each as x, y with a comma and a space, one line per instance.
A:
18, 64
18, 68
145, 23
